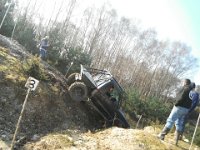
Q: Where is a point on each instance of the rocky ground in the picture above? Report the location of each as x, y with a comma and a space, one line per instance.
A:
109, 139
51, 120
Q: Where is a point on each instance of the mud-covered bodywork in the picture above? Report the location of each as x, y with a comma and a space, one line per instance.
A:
101, 89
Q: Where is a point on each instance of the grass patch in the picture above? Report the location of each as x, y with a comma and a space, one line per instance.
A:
15, 71
11, 68
56, 141
150, 142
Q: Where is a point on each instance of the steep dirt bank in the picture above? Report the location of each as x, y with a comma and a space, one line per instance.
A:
48, 109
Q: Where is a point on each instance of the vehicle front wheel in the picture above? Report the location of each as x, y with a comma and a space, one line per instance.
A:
78, 91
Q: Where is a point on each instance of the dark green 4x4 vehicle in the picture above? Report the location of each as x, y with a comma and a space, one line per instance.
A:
101, 89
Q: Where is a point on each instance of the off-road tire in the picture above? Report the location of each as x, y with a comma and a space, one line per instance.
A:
71, 78
117, 122
120, 121
78, 91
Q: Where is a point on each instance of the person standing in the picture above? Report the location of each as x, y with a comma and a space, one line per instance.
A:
180, 109
43, 47
194, 96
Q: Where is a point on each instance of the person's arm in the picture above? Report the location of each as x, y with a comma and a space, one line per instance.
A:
45, 46
195, 101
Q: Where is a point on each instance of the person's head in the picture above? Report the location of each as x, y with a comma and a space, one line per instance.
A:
186, 82
193, 85
46, 37
111, 88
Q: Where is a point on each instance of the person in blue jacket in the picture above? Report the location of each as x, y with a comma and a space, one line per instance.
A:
43, 47
194, 96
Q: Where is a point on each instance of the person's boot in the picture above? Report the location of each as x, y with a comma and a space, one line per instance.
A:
181, 136
164, 132
178, 136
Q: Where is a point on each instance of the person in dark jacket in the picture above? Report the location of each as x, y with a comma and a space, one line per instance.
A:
180, 109
194, 96
110, 91
110, 94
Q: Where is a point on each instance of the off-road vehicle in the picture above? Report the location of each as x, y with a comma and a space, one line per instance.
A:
99, 88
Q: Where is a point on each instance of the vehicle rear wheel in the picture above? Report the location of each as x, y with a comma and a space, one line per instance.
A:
71, 78
117, 122
120, 120
78, 91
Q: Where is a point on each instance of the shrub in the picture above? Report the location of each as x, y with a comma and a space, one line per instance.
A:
25, 34
152, 109
35, 69
75, 55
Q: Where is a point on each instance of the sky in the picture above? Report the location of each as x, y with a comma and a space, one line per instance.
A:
177, 20
173, 19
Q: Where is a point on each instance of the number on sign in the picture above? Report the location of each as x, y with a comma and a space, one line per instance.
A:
31, 83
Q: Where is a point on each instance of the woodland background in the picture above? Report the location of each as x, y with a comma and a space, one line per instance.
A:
149, 69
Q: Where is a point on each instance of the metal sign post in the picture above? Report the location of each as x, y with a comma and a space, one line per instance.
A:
194, 132
31, 84
5, 15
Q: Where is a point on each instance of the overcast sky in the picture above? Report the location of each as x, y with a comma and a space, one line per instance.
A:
172, 19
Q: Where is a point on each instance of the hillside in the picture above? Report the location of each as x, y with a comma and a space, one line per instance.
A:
53, 121
48, 108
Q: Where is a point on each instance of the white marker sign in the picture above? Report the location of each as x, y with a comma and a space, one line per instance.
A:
31, 83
